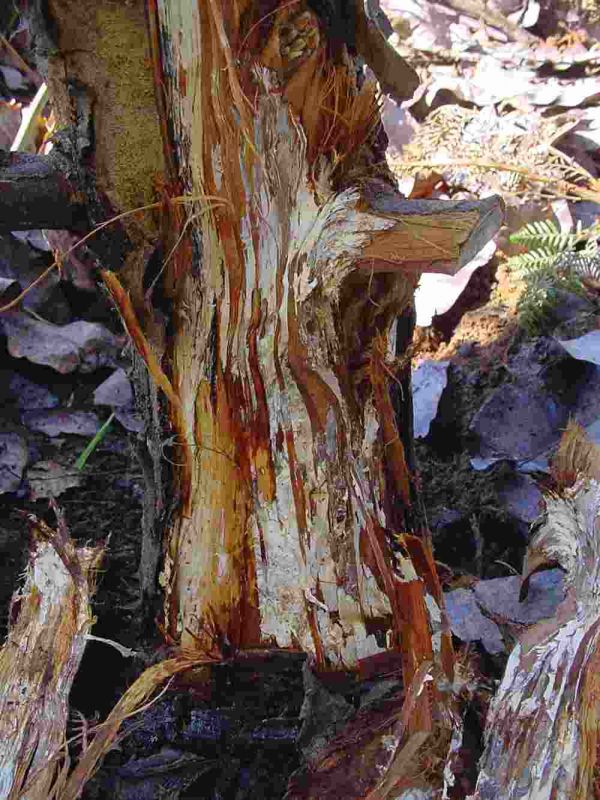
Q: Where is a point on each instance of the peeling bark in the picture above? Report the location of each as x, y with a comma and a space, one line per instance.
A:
281, 358
50, 619
542, 728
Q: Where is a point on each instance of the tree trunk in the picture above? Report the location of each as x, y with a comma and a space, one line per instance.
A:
293, 477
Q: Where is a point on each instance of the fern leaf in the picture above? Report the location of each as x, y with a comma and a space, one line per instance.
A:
539, 259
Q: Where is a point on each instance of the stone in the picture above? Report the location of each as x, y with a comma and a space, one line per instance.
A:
429, 380
80, 345
115, 391
322, 715
469, 624
522, 499
30, 395
50, 479
53, 422
130, 419
13, 458
518, 422
500, 596
584, 348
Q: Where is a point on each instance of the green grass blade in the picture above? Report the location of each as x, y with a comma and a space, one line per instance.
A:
93, 443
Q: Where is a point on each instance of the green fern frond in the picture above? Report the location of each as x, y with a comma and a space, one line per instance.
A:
552, 264
534, 260
544, 234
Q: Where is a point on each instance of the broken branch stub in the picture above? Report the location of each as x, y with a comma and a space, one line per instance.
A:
38, 662
541, 737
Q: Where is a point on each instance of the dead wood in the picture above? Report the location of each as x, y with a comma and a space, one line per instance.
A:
47, 635
542, 729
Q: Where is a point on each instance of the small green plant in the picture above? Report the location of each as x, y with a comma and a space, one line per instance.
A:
93, 443
554, 263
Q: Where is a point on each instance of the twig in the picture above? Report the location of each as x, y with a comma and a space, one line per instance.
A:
31, 74
126, 652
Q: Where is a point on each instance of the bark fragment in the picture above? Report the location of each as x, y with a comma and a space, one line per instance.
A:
542, 729
45, 644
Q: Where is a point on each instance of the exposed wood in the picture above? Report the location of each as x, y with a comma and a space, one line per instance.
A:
396, 77
295, 442
50, 619
283, 277
542, 729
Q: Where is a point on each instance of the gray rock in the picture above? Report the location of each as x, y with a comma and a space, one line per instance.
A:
500, 596
130, 419
540, 464
444, 518
275, 730
518, 422
34, 238
533, 356
469, 624
586, 408
75, 267
208, 724
428, 383
322, 715
569, 305
116, 391
9, 290
56, 421
50, 479
18, 263
480, 464
164, 774
379, 691
80, 345
13, 458
14, 80
584, 348
522, 499
30, 395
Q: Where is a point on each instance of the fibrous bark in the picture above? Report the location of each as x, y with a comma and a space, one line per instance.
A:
38, 662
295, 477
287, 259
542, 729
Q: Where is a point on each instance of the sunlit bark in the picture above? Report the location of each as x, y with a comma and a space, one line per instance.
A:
542, 730
38, 662
281, 352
